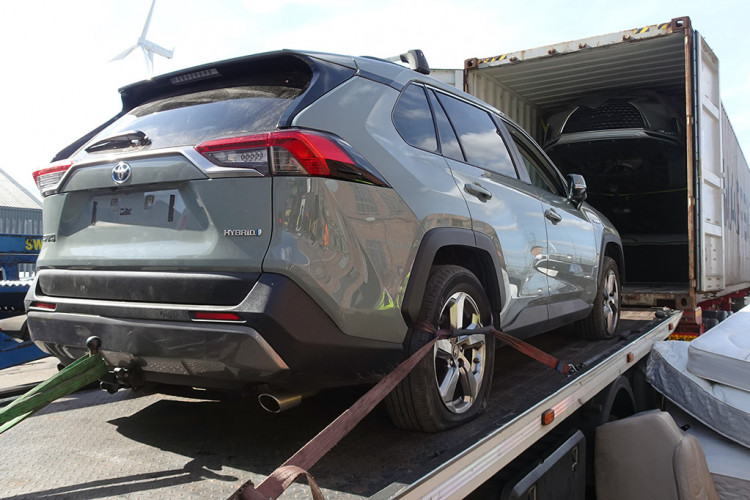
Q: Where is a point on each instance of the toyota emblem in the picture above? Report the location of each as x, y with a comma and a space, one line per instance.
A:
121, 173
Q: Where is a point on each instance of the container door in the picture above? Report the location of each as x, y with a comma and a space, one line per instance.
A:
709, 179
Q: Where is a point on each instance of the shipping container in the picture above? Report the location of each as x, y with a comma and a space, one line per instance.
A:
639, 114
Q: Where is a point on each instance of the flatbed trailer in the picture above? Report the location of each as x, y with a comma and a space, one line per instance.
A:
155, 445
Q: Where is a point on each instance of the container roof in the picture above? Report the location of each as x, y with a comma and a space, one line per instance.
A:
572, 70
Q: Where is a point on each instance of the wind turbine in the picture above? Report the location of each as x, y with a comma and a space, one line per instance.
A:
149, 48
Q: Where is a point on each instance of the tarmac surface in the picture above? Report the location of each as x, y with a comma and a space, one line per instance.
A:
32, 372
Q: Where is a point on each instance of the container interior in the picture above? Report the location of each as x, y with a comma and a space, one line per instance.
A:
637, 175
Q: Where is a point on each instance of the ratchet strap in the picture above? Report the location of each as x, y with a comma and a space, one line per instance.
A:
283, 477
280, 479
521, 346
80, 373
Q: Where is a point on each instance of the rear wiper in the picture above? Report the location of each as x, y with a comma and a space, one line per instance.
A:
130, 138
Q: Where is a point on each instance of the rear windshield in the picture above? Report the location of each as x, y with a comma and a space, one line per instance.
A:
191, 119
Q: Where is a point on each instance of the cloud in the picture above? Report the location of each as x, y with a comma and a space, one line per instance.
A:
270, 7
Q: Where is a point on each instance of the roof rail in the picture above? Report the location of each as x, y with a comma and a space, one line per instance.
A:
415, 59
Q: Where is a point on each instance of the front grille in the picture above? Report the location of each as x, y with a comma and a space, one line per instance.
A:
613, 114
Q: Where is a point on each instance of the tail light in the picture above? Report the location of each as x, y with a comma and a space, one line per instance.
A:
47, 179
292, 152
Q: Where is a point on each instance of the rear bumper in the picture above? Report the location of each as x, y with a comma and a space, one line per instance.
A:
164, 351
283, 339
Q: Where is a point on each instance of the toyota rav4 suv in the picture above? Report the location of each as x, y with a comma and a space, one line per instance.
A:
279, 223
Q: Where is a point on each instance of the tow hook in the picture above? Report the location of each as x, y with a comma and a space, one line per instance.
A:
128, 377
107, 382
110, 387
121, 377
93, 344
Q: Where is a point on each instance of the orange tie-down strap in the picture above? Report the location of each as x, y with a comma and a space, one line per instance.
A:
283, 477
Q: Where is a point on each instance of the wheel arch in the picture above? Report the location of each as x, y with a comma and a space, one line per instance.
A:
612, 247
464, 247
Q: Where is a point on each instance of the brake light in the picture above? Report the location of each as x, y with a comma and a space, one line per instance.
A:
291, 152
47, 179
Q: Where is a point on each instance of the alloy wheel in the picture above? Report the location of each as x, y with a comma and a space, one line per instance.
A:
611, 301
460, 362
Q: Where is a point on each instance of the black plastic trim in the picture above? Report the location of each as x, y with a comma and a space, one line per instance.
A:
527, 323
380, 79
437, 239
309, 341
141, 286
568, 311
432, 241
303, 336
326, 76
608, 239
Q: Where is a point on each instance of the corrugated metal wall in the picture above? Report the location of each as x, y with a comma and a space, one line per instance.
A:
20, 220
500, 96
736, 207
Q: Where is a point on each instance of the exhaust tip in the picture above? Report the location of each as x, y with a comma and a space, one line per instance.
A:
279, 401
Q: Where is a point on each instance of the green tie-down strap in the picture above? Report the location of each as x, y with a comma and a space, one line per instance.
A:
76, 375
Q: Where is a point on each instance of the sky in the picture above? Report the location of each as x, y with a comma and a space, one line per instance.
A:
57, 81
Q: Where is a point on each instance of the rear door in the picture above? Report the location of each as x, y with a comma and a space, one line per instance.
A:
501, 205
710, 216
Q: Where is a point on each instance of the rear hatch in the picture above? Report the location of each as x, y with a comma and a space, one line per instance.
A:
136, 212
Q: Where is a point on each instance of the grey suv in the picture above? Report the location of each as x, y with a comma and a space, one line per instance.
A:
279, 222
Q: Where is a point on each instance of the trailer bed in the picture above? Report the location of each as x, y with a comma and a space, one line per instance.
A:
150, 445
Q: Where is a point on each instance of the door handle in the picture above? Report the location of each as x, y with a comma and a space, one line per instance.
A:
552, 215
475, 189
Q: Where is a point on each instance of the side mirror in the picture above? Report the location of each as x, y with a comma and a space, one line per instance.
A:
576, 189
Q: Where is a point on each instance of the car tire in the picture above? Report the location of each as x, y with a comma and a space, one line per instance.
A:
605, 315
462, 367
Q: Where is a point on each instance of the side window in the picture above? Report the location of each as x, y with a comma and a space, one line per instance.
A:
542, 174
536, 174
480, 140
448, 141
413, 119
